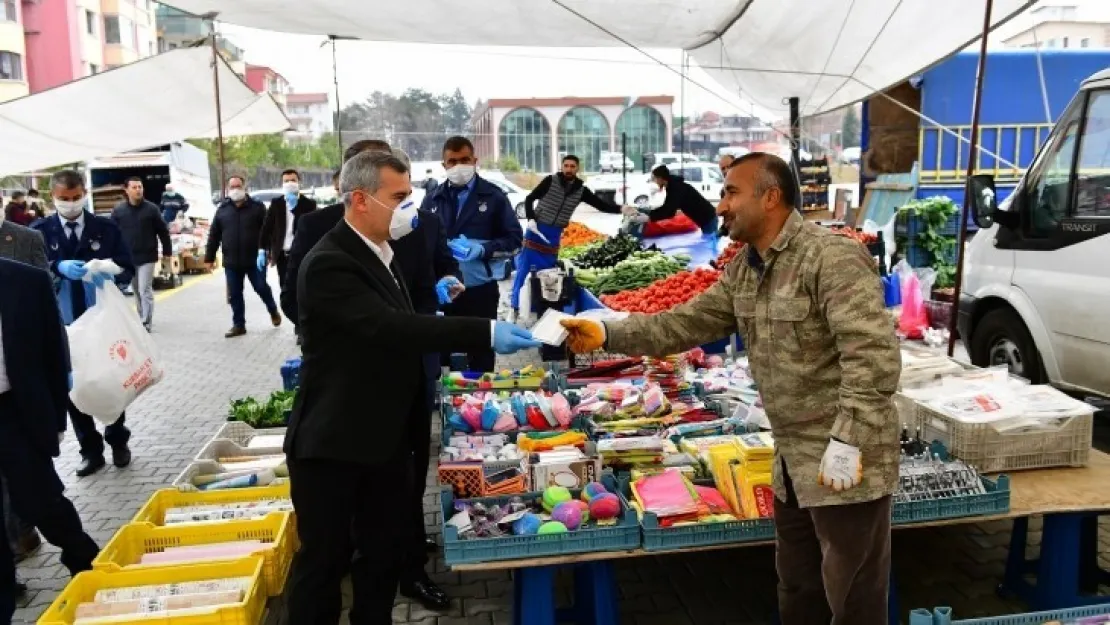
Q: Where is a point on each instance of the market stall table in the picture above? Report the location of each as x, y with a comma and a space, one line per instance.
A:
1066, 497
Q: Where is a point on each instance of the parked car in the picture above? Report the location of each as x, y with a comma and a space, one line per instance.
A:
705, 177
640, 190
515, 194
612, 162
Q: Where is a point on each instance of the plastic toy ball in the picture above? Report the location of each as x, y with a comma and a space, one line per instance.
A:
527, 524
585, 508
593, 489
569, 514
553, 496
605, 507
552, 527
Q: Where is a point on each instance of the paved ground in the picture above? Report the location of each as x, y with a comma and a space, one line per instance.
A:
957, 566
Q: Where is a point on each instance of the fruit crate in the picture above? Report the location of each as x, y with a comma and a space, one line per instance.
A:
154, 510
241, 433
125, 550
83, 589
623, 536
995, 501
943, 616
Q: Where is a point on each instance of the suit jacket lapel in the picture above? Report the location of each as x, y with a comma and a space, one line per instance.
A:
396, 269
353, 243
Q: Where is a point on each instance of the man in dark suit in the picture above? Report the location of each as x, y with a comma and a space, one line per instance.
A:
430, 273
280, 225
363, 338
73, 236
34, 384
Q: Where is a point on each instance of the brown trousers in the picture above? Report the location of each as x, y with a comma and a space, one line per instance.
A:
833, 562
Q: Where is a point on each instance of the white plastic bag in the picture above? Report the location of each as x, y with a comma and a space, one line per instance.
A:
114, 358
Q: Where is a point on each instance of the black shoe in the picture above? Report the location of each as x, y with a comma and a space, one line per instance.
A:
430, 545
234, 332
27, 545
90, 466
426, 593
121, 455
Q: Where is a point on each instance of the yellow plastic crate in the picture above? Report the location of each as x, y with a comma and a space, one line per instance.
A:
134, 540
83, 588
154, 510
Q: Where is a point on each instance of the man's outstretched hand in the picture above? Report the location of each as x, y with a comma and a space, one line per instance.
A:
584, 336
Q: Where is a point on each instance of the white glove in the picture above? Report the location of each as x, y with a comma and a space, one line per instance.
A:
534, 229
629, 211
639, 218
841, 467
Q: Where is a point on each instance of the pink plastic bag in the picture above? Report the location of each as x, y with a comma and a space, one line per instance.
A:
913, 321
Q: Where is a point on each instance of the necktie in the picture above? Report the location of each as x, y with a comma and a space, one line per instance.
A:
72, 225
456, 192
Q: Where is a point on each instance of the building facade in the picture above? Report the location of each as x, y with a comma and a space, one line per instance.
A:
309, 113
13, 51
262, 79
537, 132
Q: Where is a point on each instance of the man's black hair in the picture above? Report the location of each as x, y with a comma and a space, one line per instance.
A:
335, 176
241, 179
33, 193
456, 144
362, 145
127, 183
773, 172
68, 179
661, 172
16, 195
291, 171
571, 157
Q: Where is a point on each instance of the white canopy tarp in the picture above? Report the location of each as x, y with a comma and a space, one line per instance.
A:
828, 53
152, 102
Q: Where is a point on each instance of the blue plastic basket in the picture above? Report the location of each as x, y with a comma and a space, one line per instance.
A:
917, 256
291, 373
623, 536
909, 225
995, 501
943, 616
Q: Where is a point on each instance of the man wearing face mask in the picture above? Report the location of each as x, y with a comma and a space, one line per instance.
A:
363, 337
173, 204
143, 228
74, 236
280, 226
237, 227
484, 232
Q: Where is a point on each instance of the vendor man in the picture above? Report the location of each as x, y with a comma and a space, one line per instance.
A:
809, 306
558, 195
681, 196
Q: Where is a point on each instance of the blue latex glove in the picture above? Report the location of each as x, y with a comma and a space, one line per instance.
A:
261, 261
72, 269
99, 278
443, 289
509, 339
474, 252
460, 247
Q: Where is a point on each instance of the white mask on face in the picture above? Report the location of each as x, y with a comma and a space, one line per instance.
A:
236, 194
68, 209
461, 175
404, 220
290, 188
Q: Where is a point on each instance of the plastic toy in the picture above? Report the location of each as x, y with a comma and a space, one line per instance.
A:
490, 413
560, 408
605, 508
593, 489
517, 403
527, 524
535, 441
459, 424
568, 513
552, 527
553, 496
472, 414
584, 507
505, 422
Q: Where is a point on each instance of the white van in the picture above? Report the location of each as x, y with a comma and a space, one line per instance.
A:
705, 177
1036, 290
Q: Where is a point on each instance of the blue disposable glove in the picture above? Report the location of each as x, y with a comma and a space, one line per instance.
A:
99, 278
474, 252
509, 339
261, 261
72, 269
460, 247
443, 289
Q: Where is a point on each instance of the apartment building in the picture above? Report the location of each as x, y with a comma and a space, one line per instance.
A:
310, 114
13, 51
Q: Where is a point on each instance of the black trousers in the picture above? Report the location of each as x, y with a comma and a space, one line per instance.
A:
282, 264
482, 302
416, 553
36, 493
332, 498
90, 440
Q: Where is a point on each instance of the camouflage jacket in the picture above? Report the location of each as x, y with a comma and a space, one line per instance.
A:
820, 345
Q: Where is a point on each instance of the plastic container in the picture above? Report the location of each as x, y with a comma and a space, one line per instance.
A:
133, 540
83, 588
291, 374
184, 481
943, 616
154, 510
623, 536
241, 434
224, 448
909, 225
938, 313
995, 501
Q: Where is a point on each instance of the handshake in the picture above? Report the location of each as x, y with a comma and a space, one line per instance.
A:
634, 214
583, 336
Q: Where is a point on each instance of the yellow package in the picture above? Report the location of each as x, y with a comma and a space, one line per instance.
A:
757, 494
722, 459
756, 447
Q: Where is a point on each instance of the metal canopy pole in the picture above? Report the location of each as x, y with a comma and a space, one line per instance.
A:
335, 79
211, 18
795, 145
972, 161
682, 111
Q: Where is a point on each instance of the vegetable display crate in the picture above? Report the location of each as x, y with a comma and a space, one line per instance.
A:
154, 510
83, 589
241, 433
918, 256
909, 225
291, 374
196, 468
625, 535
224, 448
124, 551
995, 501
943, 616
1067, 444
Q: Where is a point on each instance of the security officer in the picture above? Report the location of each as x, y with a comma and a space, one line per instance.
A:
809, 305
484, 234
74, 235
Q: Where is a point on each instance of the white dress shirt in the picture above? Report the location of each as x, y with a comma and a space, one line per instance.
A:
385, 254
5, 384
288, 244
80, 221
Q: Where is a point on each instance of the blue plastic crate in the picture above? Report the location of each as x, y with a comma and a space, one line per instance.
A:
623, 536
943, 616
995, 501
291, 373
909, 225
918, 257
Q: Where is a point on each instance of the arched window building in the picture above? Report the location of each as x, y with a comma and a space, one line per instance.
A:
646, 132
525, 135
585, 133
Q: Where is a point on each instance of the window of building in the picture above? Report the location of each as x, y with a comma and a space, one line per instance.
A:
7, 12
584, 132
1051, 43
111, 29
11, 66
1085, 42
525, 135
646, 130
90, 22
1065, 42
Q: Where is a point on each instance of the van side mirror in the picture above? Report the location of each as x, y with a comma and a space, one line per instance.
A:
982, 200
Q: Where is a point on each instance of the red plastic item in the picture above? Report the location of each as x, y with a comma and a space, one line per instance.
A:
679, 224
536, 418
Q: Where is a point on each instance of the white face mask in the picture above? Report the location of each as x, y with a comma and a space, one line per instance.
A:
461, 175
405, 218
291, 188
68, 209
236, 194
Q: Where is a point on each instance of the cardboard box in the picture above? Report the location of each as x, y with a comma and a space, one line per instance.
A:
545, 470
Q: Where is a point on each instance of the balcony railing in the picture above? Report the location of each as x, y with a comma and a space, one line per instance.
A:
944, 158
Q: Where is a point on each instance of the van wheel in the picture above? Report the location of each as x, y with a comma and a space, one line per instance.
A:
1001, 338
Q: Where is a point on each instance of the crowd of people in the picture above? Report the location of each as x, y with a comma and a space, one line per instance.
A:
379, 290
